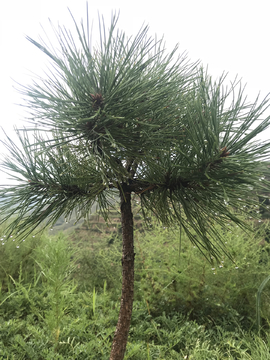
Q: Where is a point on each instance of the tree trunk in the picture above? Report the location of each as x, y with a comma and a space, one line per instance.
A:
123, 324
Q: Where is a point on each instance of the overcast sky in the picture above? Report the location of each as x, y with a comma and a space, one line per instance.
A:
230, 36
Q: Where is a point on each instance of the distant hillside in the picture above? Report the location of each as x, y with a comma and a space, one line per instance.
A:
95, 227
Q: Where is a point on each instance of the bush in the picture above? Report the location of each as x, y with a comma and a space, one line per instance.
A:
61, 300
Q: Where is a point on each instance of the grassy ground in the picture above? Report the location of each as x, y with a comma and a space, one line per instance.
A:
60, 296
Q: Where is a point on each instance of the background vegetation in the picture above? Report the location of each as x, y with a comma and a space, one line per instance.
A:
60, 294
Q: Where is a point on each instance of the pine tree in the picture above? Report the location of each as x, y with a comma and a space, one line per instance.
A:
126, 118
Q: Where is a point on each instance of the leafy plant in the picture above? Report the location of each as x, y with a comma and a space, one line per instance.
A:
258, 302
161, 326
56, 266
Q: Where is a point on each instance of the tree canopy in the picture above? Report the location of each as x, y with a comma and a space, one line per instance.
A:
126, 114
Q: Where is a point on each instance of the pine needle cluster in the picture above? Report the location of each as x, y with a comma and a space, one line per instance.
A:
127, 115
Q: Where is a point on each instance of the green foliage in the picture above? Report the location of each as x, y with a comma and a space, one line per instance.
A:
47, 298
56, 266
99, 263
126, 116
186, 282
16, 258
258, 302
184, 307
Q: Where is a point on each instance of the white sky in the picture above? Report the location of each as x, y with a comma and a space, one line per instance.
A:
230, 36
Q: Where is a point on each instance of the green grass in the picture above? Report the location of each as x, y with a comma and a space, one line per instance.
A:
60, 299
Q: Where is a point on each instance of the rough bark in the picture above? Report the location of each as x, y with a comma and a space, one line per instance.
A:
123, 324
